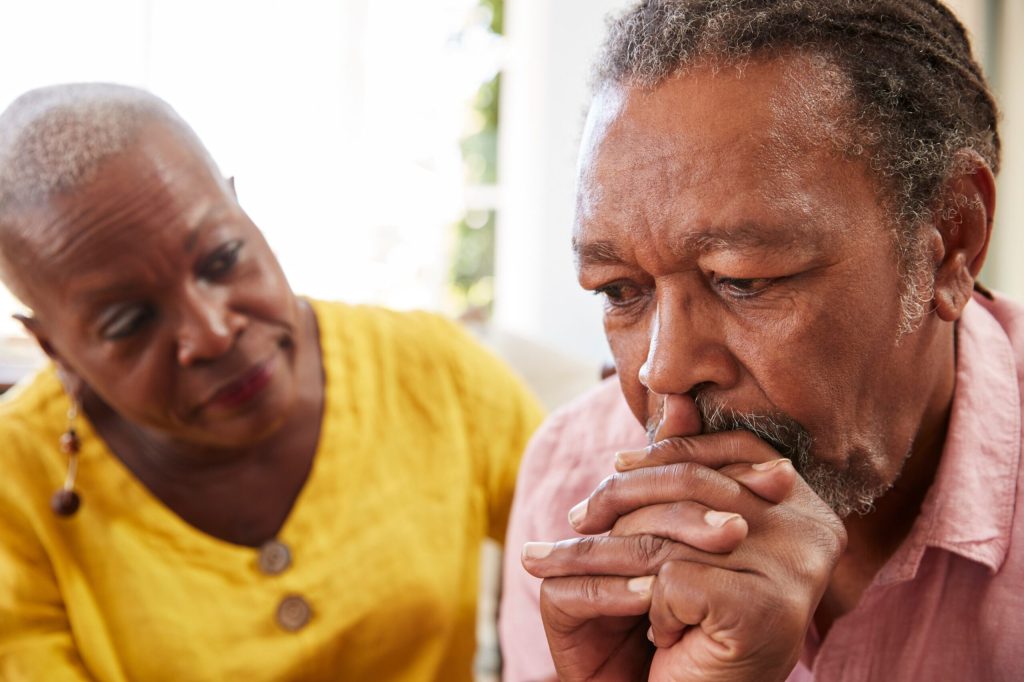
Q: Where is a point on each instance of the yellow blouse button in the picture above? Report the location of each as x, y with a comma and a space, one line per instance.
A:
274, 557
293, 613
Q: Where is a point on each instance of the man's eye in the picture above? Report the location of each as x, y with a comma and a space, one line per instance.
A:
221, 261
619, 294
125, 321
741, 287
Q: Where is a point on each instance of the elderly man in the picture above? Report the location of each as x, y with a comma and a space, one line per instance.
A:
785, 205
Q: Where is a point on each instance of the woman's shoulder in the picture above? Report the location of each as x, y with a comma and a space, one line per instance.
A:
414, 351
32, 417
384, 334
375, 320
36, 403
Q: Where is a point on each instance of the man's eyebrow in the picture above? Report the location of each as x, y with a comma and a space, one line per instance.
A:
752, 237
743, 237
595, 252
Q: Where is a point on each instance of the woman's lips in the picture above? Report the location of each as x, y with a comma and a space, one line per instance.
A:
247, 387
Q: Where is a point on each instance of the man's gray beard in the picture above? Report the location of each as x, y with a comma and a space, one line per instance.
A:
848, 490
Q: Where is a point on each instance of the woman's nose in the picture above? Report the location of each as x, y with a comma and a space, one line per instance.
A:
208, 327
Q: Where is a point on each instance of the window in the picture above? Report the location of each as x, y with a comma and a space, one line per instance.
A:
341, 121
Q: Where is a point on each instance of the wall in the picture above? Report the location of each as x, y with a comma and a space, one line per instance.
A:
544, 101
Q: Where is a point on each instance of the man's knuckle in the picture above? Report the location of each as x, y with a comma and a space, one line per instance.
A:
689, 473
819, 550
550, 591
674, 573
591, 588
585, 546
605, 490
650, 550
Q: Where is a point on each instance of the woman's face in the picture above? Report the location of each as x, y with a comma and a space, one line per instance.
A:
153, 289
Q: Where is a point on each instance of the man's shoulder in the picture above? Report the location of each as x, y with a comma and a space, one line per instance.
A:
997, 321
578, 441
1010, 316
599, 416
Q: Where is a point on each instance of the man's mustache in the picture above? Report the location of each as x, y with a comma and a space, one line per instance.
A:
852, 488
778, 429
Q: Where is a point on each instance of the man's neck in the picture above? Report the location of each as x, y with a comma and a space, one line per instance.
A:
874, 538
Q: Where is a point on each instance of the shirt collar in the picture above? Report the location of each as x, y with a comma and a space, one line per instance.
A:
969, 509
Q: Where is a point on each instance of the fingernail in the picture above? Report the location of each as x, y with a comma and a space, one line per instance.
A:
650, 634
768, 466
628, 458
719, 518
577, 513
640, 585
537, 550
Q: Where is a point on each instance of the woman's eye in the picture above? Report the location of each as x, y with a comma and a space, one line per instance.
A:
125, 321
221, 261
743, 287
619, 294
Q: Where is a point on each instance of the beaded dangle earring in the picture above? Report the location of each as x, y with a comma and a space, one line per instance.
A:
65, 502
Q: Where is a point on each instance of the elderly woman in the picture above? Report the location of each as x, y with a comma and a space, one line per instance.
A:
215, 479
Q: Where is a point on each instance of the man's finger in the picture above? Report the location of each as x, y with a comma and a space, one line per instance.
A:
679, 417
724, 608
624, 493
611, 556
686, 522
684, 597
714, 450
566, 602
772, 481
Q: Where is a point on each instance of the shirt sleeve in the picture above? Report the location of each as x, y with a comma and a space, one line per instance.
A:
566, 459
35, 637
524, 646
501, 415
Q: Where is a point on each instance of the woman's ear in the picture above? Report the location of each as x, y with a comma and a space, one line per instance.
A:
73, 384
964, 224
35, 330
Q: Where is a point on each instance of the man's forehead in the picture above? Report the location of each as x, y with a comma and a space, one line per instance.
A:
788, 104
720, 156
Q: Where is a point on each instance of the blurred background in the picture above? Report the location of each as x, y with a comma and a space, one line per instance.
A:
413, 153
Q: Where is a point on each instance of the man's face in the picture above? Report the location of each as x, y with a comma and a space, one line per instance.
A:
749, 265
155, 289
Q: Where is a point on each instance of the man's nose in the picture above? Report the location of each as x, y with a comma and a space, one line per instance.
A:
208, 327
687, 349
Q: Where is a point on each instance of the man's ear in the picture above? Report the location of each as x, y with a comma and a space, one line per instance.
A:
964, 224
73, 384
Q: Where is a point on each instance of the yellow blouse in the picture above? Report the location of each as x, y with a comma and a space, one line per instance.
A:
419, 446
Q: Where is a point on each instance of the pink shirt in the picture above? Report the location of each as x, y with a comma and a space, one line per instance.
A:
948, 605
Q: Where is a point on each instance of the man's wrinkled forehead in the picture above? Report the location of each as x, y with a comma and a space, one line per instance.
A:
648, 158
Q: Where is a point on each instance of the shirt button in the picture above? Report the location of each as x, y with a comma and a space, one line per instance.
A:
274, 557
293, 613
